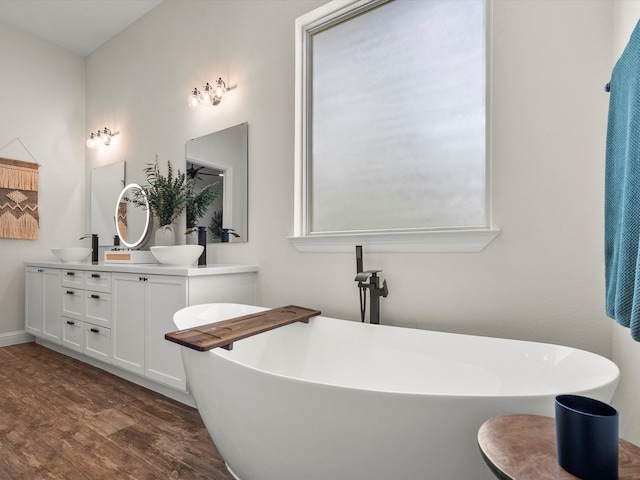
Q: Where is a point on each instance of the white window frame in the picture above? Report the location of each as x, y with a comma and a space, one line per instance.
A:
411, 240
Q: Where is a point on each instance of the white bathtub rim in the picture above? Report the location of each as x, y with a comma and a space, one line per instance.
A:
611, 382
231, 472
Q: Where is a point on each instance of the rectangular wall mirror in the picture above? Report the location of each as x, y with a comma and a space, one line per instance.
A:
106, 183
220, 159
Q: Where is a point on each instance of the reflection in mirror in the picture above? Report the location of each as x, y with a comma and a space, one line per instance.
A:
133, 216
106, 183
220, 160
205, 203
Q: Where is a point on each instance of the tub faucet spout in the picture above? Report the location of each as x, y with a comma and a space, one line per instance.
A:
373, 285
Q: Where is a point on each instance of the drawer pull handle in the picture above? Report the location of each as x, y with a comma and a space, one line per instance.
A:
69, 322
71, 274
96, 297
95, 330
70, 292
95, 275
40, 270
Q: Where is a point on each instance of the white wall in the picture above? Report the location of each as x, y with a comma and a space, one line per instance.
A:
42, 96
542, 279
626, 351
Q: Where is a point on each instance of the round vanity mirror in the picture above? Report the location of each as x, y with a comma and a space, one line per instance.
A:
133, 218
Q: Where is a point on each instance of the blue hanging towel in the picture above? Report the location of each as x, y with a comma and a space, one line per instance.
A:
622, 190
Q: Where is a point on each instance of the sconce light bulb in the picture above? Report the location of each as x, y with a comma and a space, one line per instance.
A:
98, 139
219, 88
206, 97
105, 136
91, 142
192, 100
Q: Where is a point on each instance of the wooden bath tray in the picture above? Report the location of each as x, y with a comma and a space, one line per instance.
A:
224, 333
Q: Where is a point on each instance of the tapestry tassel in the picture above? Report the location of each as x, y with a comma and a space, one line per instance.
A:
25, 227
18, 178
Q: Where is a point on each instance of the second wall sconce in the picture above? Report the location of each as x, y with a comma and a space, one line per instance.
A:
100, 138
210, 95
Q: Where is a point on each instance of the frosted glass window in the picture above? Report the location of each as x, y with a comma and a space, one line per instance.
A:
396, 132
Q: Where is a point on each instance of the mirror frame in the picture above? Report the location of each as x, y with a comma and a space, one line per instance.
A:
148, 219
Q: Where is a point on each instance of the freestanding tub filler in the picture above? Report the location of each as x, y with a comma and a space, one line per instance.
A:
340, 400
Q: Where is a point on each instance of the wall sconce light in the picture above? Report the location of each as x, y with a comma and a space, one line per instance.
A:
210, 95
100, 138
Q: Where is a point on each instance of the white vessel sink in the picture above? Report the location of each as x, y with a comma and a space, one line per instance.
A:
177, 254
71, 254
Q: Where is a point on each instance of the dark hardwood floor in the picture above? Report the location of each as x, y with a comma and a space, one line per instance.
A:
63, 419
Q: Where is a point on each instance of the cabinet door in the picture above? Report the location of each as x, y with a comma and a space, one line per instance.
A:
165, 296
98, 281
51, 321
97, 308
73, 334
127, 334
42, 303
97, 342
72, 302
72, 278
34, 303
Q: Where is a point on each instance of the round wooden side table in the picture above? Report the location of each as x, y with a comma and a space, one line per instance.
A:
523, 447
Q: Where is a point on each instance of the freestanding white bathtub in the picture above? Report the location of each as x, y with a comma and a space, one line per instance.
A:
340, 400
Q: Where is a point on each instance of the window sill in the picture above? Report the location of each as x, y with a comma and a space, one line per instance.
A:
444, 241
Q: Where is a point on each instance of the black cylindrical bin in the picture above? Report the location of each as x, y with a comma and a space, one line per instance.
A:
587, 435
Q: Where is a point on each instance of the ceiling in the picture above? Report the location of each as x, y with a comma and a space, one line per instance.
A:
79, 26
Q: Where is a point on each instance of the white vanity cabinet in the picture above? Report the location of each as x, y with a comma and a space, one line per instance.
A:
119, 314
42, 305
143, 308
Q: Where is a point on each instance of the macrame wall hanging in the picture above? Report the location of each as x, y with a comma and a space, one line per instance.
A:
19, 216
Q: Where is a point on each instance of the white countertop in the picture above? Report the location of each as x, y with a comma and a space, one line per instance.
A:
149, 268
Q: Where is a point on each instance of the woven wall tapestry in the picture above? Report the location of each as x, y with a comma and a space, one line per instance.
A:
19, 217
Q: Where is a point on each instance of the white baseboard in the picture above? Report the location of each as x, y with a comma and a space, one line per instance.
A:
14, 338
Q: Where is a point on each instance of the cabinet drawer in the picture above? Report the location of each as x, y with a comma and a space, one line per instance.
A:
98, 281
72, 278
97, 342
73, 334
98, 308
72, 303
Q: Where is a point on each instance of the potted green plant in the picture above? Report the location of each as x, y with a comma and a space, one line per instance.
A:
197, 205
167, 196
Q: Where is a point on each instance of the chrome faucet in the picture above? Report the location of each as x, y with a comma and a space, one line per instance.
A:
375, 291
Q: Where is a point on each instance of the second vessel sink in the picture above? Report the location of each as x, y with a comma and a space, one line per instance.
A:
177, 254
